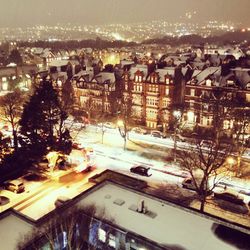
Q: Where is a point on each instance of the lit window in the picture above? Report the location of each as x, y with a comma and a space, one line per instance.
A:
111, 241
192, 92
4, 79
167, 81
190, 116
167, 91
208, 82
136, 78
5, 86
101, 235
140, 78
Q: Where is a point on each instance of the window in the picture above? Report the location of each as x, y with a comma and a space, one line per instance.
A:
138, 78
167, 91
165, 103
192, 92
248, 97
82, 100
5, 86
191, 103
208, 82
102, 235
167, 80
112, 241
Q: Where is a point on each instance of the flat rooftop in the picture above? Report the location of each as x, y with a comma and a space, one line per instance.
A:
164, 223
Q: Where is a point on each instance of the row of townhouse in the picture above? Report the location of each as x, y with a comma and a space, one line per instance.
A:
212, 88
95, 94
154, 94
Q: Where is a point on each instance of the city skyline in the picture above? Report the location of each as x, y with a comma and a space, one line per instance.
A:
23, 13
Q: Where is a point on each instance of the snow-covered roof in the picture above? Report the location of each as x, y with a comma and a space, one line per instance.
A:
126, 62
105, 76
242, 75
139, 67
166, 71
202, 75
58, 63
13, 229
37, 51
164, 223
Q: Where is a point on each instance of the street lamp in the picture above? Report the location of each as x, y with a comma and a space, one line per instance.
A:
177, 116
123, 132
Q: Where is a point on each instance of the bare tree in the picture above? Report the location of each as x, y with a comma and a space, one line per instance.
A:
123, 123
206, 164
11, 105
70, 231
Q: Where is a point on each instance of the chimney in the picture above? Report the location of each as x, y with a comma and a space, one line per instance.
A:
141, 207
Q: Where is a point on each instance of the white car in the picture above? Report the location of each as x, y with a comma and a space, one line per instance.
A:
109, 125
139, 130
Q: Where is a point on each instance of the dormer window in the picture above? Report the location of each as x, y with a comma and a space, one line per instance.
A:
153, 79
167, 80
5, 86
230, 82
137, 78
208, 83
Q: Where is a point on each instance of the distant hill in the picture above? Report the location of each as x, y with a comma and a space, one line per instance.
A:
226, 38
229, 37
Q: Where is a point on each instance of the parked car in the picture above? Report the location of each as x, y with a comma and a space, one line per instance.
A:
61, 200
207, 144
139, 130
15, 186
158, 134
179, 138
188, 183
231, 197
245, 192
141, 170
109, 125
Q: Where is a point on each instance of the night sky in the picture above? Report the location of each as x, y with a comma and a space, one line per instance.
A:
22, 13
